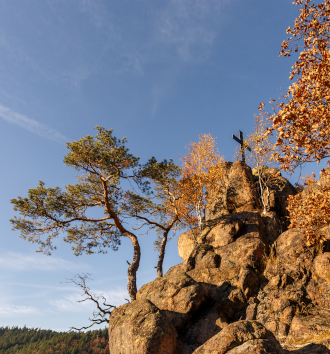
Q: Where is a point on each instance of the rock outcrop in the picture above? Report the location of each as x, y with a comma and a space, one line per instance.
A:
237, 193
242, 337
250, 286
177, 297
139, 327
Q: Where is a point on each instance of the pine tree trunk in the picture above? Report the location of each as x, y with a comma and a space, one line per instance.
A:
161, 255
133, 267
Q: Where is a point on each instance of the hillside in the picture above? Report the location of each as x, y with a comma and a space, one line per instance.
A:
39, 341
250, 285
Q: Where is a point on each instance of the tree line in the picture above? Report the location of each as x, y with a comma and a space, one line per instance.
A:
15, 340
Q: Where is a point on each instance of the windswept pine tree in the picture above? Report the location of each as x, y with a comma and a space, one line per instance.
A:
106, 173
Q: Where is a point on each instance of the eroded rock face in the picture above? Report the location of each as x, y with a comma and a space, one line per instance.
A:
245, 287
240, 192
211, 279
293, 257
202, 257
318, 291
175, 270
288, 274
204, 326
282, 189
224, 232
236, 266
248, 281
322, 266
187, 243
273, 226
228, 228
255, 346
242, 337
237, 193
295, 303
140, 327
312, 326
247, 251
231, 301
237, 238
178, 297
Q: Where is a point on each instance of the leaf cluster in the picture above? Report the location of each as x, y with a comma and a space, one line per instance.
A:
202, 176
310, 208
301, 121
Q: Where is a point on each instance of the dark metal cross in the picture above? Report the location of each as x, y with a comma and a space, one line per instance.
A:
241, 142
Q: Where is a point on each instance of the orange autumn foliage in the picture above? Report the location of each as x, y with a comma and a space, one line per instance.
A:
301, 123
201, 175
310, 208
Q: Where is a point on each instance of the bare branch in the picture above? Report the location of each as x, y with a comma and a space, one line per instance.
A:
99, 316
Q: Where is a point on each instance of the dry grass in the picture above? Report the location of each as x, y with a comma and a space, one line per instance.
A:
312, 338
303, 309
270, 259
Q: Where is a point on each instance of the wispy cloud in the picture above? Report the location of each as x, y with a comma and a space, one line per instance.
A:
14, 310
70, 302
69, 49
190, 27
31, 125
174, 32
20, 262
45, 287
115, 297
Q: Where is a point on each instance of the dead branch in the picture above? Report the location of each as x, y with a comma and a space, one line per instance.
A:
103, 313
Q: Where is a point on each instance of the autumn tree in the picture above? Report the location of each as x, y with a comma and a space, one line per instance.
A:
310, 209
179, 197
106, 173
260, 155
202, 176
301, 122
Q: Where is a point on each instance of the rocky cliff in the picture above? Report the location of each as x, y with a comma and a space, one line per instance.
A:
251, 286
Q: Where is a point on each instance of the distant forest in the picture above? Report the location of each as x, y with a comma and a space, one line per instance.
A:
24, 340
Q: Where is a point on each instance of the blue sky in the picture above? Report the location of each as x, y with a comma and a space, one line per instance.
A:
157, 72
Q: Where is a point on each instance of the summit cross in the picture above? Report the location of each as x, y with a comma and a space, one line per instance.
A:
241, 142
